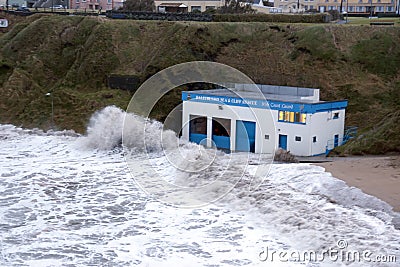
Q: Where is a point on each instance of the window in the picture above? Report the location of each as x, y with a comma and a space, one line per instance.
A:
351, 8
314, 139
379, 8
221, 127
390, 9
290, 116
196, 9
198, 124
336, 115
266, 137
311, 7
297, 139
77, 1
360, 8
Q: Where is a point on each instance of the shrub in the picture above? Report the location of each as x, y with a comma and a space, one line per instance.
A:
289, 18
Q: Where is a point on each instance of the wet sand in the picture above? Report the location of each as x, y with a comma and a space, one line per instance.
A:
377, 176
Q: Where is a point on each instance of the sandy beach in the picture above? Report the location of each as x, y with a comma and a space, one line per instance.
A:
377, 176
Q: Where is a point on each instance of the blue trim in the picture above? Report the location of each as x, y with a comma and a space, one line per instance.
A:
295, 122
265, 104
316, 155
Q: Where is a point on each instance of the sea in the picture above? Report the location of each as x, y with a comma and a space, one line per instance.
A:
105, 199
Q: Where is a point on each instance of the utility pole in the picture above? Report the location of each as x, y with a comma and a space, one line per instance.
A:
370, 8
341, 6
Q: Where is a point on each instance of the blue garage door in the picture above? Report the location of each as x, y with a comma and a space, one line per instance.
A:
200, 139
245, 136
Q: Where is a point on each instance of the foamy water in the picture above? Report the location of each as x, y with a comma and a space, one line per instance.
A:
69, 200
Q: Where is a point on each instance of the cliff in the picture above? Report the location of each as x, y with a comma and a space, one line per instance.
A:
72, 56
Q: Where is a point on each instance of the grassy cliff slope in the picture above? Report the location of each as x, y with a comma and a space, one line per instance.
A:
72, 56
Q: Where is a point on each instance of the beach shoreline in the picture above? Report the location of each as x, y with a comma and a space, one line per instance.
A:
378, 176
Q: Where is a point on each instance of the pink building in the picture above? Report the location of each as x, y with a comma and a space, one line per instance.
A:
96, 5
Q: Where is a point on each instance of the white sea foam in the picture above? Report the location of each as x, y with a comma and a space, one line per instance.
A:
65, 204
106, 128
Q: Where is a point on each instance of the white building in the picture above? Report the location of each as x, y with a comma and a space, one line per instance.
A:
245, 119
187, 5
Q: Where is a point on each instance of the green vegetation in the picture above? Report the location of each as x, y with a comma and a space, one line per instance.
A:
72, 56
293, 18
366, 21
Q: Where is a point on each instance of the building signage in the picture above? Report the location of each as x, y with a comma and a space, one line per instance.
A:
263, 103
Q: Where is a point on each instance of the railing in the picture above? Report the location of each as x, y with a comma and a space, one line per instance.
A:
349, 133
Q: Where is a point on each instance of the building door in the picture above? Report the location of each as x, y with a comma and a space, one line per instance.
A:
221, 131
245, 136
198, 129
336, 140
283, 141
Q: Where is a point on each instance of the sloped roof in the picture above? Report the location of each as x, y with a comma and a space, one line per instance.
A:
172, 5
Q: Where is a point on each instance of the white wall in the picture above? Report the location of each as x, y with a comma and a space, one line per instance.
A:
325, 127
291, 130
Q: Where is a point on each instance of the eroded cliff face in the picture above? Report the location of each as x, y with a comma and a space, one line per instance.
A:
72, 57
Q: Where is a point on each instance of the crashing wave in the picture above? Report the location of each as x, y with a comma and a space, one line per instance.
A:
111, 127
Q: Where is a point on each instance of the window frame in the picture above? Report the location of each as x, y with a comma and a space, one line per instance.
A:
292, 117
